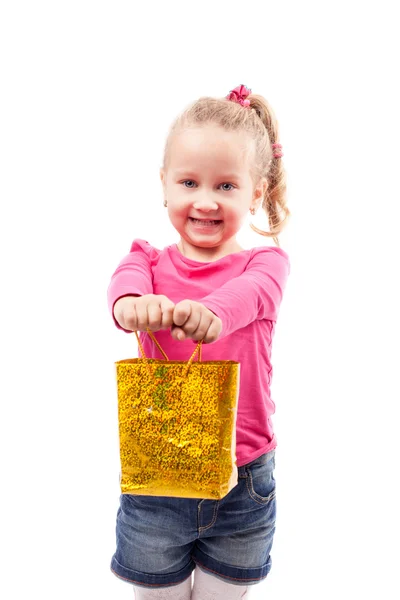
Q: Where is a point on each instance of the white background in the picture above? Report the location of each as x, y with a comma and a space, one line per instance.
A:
89, 90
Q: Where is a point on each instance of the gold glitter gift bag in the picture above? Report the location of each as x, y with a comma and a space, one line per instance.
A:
177, 425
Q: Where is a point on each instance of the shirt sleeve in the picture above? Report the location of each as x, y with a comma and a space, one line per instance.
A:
133, 276
255, 294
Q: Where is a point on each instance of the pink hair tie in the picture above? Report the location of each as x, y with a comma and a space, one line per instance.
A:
279, 154
239, 95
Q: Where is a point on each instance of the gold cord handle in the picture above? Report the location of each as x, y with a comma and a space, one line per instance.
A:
197, 349
154, 340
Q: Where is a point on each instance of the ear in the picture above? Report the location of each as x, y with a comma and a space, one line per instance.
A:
163, 181
162, 177
259, 192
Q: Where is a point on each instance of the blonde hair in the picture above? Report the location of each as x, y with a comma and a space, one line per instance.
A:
260, 123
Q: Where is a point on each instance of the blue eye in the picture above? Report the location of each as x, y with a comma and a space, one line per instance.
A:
191, 187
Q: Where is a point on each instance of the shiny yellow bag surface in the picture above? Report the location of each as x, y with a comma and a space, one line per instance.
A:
177, 425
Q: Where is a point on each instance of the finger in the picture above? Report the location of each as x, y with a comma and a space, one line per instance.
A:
182, 312
128, 319
141, 316
196, 325
167, 313
154, 316
213, 331
177, 333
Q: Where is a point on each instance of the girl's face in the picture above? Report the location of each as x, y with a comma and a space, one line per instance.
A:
209, 190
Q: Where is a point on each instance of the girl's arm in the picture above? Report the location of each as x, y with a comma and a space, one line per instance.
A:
254, 295
132, 277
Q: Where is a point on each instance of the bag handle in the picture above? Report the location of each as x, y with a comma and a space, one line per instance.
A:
154, 340
197, 349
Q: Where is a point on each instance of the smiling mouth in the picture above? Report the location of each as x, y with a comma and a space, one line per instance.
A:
205, 222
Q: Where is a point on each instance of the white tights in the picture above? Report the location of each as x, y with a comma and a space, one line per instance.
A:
206, 587
182, 591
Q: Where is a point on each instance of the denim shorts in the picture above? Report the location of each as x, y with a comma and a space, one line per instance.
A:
161, 539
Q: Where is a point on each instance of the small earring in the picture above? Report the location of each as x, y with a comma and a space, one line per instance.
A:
165, 203
253, 211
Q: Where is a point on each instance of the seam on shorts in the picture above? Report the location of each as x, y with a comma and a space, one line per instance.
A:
226, 576
253, 493
216, 506
148, 584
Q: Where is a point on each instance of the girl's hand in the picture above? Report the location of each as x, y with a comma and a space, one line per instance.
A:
193, 320
138, 313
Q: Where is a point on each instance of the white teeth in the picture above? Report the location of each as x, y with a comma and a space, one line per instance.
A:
201, 222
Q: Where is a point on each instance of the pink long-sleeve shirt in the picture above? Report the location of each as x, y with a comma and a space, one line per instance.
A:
244, 290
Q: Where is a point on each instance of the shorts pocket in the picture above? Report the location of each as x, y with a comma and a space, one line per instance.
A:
261, 482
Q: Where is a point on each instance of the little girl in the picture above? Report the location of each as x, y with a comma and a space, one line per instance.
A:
221, 160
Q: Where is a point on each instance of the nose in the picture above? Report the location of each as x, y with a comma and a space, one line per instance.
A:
205, 203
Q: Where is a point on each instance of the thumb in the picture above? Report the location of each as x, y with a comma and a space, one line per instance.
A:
177, 333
